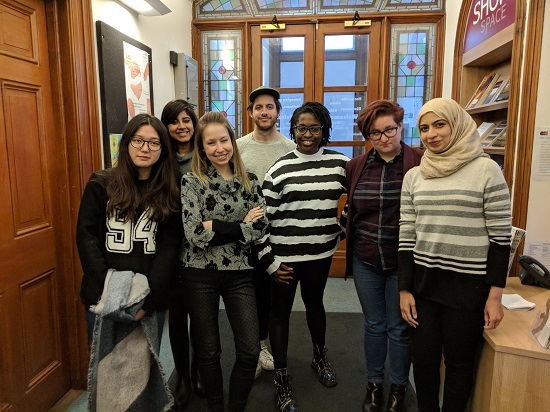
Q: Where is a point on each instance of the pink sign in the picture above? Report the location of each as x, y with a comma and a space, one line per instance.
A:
487, 18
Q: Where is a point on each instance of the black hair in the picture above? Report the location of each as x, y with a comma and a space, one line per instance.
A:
318, 111
171, 112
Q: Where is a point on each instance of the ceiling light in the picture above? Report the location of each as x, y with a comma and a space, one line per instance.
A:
147, 7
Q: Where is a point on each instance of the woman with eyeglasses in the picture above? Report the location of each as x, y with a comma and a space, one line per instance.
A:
129, 218
302, 190
371, 218
128, 236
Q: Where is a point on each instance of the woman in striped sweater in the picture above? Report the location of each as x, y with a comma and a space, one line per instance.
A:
302, 190
454, 244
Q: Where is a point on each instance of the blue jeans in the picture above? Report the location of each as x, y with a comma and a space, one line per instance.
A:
379, 299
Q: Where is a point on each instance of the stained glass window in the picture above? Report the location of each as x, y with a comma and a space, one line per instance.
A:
222, 81
411, 5
411, 72
246, 8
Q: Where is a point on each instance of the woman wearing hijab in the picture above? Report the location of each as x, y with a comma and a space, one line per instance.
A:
454, 243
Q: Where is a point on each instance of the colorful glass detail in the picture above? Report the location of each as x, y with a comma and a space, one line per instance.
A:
411, 73
222, 68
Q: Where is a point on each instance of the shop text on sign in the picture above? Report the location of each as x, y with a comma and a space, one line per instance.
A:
486, 18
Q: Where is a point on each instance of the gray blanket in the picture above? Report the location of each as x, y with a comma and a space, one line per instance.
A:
125, 372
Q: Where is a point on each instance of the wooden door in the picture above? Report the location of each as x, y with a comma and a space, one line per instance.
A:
328, 63
34, 370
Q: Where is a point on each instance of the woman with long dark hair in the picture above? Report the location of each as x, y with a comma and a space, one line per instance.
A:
129, 221
181, 122
223, 214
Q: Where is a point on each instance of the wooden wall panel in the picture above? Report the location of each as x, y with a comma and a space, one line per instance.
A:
18, 31
26, 160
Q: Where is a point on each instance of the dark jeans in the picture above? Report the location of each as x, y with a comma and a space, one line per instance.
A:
203, 289
456, 333
312, 276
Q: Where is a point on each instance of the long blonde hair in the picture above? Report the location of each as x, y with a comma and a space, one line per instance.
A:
200, 163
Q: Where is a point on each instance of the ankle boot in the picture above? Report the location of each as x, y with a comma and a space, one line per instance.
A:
373, 398
283, 395
196, 377
322, 367
396, 400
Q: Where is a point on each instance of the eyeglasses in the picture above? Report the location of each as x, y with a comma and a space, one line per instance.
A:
314, 130
138, 142
376, 135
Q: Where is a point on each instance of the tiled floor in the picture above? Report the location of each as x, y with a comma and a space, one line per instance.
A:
340, 296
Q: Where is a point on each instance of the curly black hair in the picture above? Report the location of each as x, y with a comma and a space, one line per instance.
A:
318, 111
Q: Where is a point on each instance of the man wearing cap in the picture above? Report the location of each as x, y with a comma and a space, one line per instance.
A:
259, 150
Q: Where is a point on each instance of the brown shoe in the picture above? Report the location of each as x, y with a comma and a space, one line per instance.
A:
396, 400
373, 398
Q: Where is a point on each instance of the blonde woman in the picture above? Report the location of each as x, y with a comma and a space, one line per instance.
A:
223, 214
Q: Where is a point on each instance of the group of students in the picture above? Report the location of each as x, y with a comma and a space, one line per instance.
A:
205, 216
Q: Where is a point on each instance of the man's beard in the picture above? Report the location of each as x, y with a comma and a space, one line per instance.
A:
263, 128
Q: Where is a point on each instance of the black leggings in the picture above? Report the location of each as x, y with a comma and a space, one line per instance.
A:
203, 289
178, 325
313, 277
454, 333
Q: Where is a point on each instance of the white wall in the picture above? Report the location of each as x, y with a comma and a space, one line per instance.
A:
538, 218
161, 33
451, 20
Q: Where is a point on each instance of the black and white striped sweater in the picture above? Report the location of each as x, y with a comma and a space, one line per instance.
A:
302, 193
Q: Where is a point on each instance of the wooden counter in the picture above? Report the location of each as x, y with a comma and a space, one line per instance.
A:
514, 369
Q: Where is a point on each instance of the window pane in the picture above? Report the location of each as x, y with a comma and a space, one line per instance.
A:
411, 72
344, 107
283, 62
290, 102
346, 60
222, 75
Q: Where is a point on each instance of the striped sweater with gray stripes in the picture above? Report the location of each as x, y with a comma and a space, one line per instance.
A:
302, 192
459, 223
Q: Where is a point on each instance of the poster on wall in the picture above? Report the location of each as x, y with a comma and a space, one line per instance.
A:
125, 81
136, 75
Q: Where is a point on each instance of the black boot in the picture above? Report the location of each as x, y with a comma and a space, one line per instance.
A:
396, 400
283, 395
322, 367
373, 398
196, 377
182, 394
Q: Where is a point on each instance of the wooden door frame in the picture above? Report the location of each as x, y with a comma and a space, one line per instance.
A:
76, 118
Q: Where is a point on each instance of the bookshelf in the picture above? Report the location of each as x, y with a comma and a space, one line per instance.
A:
476, 58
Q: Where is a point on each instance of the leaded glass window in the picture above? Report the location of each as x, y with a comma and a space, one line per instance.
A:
411, 72
247, 8
222, 67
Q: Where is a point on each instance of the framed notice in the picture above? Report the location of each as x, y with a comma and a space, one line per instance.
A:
125, 80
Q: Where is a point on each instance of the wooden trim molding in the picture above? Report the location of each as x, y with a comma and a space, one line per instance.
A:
72, 57
529, 89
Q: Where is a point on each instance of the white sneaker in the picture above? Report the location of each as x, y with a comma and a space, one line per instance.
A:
266, 358
258, 369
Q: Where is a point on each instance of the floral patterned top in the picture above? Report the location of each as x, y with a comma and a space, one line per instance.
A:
226, 202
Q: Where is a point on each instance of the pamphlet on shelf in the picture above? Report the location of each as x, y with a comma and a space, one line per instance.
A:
482, 90
485, 129
493, 93
503, 93
495, 133
516, 302
517, 236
